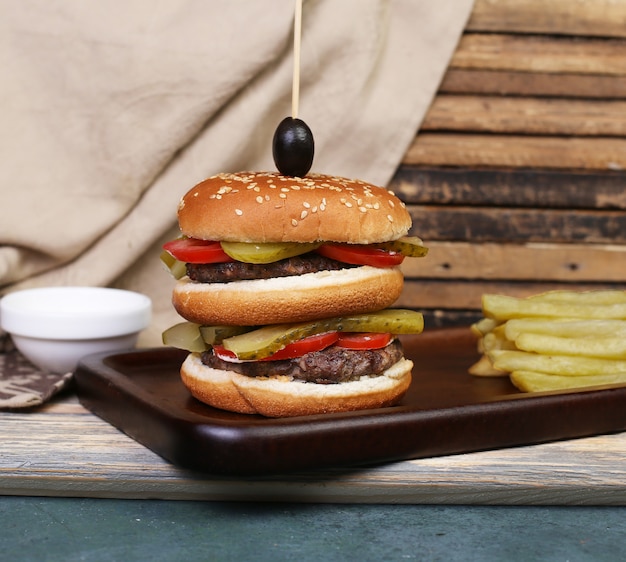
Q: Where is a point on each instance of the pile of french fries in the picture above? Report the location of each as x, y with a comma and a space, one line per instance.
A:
553, 341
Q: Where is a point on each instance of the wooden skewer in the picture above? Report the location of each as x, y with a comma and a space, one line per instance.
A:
297, 32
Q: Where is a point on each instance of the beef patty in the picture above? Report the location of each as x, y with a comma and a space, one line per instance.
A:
331, 365
234, 271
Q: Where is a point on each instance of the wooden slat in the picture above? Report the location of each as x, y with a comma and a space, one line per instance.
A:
594, 17
570, 263
523, 115
510, 187
509, 83
478, 224
438, 149
466, 295
540, 54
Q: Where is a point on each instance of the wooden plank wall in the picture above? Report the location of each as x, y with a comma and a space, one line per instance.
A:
516, 180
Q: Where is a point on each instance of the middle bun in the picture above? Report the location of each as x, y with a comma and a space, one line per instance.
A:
278, 300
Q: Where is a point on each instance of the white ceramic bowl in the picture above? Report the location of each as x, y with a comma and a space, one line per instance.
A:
54, 327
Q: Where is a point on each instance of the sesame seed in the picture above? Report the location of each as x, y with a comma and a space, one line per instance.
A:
259, 199
348, 204
282, 195
306, 205
363, 209
314, 209
303, 214
238, 212
391, 203
389, 218
294, 222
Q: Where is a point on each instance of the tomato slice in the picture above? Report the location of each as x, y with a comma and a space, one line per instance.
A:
357, 340
298, 348
361, 254
192, 250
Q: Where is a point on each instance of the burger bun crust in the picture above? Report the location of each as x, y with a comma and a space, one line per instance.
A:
278, 300
269, 207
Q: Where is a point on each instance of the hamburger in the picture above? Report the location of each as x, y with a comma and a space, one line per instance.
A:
284, 284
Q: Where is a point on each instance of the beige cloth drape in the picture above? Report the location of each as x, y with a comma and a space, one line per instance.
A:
112, 110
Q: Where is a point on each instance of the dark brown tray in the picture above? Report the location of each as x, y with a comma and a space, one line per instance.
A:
446, 411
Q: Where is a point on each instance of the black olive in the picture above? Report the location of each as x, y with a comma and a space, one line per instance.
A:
293, 147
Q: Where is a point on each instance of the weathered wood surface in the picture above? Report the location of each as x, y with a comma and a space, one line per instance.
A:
63, 450
605, 18
516, 177
527, 115
480, 224
541, 54
529, 262
510, 187
558, 84
516, 151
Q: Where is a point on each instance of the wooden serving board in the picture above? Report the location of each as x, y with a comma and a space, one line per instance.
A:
64, 450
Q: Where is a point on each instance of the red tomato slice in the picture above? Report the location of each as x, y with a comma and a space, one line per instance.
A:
290, 351
192, 250
305, 345
358, 254
354, 340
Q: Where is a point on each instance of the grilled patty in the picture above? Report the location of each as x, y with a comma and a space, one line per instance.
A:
328, 366
234, 271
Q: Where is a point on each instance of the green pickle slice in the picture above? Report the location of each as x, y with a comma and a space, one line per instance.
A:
196, 338
265, 341
409, 246
177, 268
185, 335
215, 335
253, 252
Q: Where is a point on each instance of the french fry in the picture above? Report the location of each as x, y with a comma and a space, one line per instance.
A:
483, 326
582, 297
497, 340
556, 340
563, 365
529, 381
484, 368
500, 307
567, 328
606, 348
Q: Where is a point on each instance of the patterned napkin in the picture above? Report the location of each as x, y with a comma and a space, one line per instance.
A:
22, 385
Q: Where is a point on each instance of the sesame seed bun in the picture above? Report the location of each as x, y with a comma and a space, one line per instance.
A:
269, 207
298, 298
280, 396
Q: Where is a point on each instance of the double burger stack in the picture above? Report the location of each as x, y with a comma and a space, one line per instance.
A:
284, 283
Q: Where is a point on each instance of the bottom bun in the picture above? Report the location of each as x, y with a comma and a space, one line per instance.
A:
279, 396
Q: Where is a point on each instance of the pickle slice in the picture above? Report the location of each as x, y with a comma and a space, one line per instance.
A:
215, 335
253, 252
185, 335
390, 320
410, 246
265, 341
177, 268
